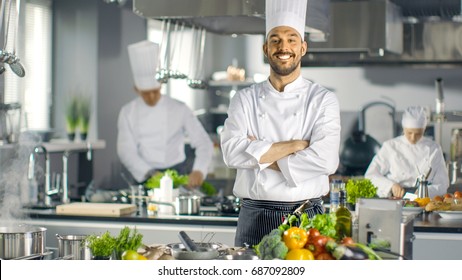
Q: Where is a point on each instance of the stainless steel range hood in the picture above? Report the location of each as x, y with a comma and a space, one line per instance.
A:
229, 16
340, 32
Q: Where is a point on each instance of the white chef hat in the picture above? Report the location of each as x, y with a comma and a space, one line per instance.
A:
290, 13
414, 117
144, 57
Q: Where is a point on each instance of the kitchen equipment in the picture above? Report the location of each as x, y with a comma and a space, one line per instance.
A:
359, 149
22, 240
198, 82
73, 245
381, 223
188, 204
191, 251
95, 209
183, 205
10, 122
187, 242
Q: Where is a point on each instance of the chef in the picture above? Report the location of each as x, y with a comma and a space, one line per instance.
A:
153, 128
282, 135
403, 159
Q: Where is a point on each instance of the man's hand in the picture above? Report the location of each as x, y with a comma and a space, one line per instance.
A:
397, 190
195, 179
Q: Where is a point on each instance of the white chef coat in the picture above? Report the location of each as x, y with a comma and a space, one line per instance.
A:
153, 137
304, 111
399, 161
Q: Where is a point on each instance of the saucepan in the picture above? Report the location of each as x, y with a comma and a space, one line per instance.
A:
73, 245
22, 240
183, 205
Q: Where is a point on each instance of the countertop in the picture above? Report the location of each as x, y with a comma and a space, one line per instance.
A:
425, 222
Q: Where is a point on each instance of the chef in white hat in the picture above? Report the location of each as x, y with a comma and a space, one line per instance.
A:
282, 135
401, 160
152, 128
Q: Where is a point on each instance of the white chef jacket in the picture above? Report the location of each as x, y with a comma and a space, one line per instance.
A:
153, 137
304, 111
399, 161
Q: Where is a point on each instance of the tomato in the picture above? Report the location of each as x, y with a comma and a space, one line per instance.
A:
325, 256
457, 194
347, 241
317, 245
299, 254
437, 198
295, 238
313, 232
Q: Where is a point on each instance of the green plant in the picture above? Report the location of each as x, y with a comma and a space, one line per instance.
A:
127, 240
101, 246
360, 188
84, 113
72, 114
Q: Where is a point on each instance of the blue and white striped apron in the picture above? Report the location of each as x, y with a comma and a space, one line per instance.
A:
259, 217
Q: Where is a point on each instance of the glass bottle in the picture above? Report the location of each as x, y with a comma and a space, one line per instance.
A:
335, 187
344, 218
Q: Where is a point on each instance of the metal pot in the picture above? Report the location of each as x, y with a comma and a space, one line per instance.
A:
187, 204
22, 240
73, 245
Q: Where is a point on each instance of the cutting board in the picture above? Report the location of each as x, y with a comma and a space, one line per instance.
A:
95, 209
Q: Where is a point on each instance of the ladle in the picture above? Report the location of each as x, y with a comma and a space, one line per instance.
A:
163, 74
176, 73
199, 83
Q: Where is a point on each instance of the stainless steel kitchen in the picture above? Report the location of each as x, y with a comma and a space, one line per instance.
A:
66, 76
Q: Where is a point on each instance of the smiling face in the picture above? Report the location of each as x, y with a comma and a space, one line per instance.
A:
150, 97
284, 49
413, 135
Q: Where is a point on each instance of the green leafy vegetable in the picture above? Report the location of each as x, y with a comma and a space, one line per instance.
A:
102, 246
178, 180
325, 223
127, 240
360, 188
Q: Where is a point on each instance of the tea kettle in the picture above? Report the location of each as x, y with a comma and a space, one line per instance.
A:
10, 122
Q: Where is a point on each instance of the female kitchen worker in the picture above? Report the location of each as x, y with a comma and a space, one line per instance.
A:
152, 128
282, 135
401, 160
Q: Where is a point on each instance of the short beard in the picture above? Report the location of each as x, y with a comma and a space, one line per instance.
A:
283, 71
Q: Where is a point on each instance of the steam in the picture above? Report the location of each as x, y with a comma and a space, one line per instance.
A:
14, 185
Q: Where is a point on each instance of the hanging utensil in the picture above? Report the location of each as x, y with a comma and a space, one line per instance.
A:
163, 75
198, 83
15, 66
176, 73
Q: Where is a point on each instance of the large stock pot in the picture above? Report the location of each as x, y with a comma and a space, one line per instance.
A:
21, 240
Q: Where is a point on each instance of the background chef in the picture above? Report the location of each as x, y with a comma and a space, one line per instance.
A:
282, 135
152, 128
401, 160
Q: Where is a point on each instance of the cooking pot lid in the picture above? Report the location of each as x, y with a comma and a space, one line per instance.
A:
21, 229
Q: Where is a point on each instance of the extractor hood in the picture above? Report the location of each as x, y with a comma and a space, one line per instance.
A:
230, 16
340, 32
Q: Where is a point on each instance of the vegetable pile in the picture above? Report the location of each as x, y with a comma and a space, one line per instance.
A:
178, 180
311, 239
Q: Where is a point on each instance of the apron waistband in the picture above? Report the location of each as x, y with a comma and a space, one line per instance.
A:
279, 205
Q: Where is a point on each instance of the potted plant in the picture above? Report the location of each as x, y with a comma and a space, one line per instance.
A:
84, 112
359, 188
102, 247
72, 117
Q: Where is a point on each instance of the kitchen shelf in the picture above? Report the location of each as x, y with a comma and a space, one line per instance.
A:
62, 145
